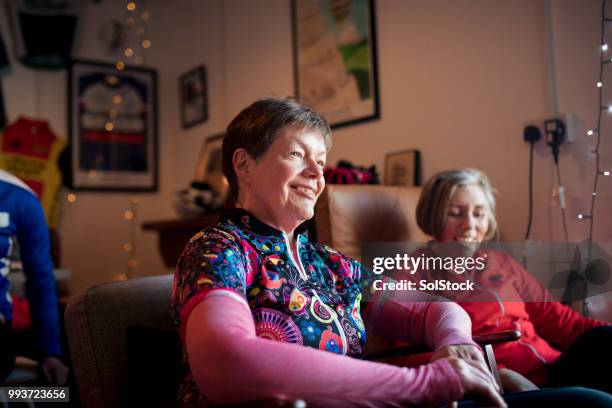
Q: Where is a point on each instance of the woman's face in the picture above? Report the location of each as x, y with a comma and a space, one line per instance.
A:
467, 216
286, 181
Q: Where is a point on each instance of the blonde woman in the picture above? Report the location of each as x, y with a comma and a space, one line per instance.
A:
558, 346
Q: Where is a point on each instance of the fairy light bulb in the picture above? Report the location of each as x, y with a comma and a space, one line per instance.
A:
599, 84
604, 47
590, 132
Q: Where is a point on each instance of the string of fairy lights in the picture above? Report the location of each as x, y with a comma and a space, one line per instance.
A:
130, 216
599, 171
134, 52
136, 20
129, 247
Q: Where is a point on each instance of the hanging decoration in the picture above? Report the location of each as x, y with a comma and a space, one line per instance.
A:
43, 31
597, 131
29, 149
135, 35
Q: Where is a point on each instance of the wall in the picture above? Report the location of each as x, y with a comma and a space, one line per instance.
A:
93, 229
457, 80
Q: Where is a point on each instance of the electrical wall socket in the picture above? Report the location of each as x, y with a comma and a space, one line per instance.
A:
569, 119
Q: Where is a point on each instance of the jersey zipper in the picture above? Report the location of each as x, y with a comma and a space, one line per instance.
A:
302, 272
299, 267
529, 346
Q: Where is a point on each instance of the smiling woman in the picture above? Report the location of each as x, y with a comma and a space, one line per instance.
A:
558, 346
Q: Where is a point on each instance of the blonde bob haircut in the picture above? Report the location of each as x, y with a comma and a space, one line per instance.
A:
432, 208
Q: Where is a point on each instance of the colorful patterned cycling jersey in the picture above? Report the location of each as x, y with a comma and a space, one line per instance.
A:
313, 300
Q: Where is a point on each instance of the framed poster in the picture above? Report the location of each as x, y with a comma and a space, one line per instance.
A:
193, 97
403, 168
334, 47
210, 166
112, 125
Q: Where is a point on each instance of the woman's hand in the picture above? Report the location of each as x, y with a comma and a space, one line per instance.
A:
485, 385
515, 382
477, 381
467, 352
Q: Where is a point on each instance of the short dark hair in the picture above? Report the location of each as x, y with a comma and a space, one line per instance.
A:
256, 127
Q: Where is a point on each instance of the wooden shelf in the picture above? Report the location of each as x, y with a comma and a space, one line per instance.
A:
174, 234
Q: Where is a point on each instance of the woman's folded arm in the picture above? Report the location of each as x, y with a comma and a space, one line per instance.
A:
231, 365
420, 318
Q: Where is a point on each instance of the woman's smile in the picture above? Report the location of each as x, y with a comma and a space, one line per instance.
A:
305, 191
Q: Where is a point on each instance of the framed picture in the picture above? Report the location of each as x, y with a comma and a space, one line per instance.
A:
334, 47
112, 126
193, 97
403, 168
210, 166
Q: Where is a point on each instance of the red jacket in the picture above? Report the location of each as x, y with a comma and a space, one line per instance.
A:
547, 327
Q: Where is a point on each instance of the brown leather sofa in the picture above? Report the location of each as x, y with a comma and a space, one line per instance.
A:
348, 215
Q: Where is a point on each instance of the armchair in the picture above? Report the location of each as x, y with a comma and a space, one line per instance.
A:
124, 348
97, 322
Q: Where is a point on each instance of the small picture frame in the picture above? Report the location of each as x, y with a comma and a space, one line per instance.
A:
210, 166
193, 97
403, 168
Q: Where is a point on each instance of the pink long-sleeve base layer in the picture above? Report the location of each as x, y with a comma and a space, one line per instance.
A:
232, 365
